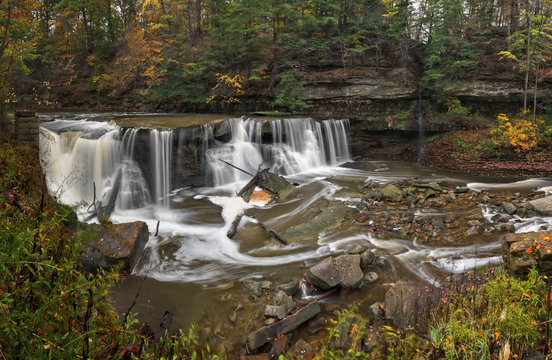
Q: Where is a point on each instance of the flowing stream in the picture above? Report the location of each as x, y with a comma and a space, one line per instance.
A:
175, 176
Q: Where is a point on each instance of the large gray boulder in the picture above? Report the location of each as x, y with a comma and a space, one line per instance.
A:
343, 271
106, 246
543, 206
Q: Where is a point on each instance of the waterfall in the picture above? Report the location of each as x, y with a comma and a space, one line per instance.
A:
161, 149
151, 163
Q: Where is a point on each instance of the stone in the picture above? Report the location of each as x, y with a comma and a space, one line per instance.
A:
461, 189
324, 275
507, 228
281, 298
348, 267
107, 245
266, 285
377, 312
290, 288
278, 346
234, 316
410, 303
474, 223
438, 223
370, 277
449, 217
472, 231
367, 258
434, 186
261, 336
392, 193
343, 270
253, 286
516, 259
509, 208
542, 206
300, 350
275, 311
429, 193
355, 249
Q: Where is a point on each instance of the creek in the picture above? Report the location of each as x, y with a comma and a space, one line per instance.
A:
171, 174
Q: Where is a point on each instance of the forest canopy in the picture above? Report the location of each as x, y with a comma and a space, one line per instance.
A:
191, 52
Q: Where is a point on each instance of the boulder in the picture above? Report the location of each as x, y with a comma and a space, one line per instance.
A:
343, 271
107, 245
367, 258
518, 259
542, 206
509, 208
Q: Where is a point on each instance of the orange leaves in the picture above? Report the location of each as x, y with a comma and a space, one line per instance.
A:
529, 250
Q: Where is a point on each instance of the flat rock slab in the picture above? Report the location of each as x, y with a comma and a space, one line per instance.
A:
260, 337
521, 252
107, 245
329, 219
343, 271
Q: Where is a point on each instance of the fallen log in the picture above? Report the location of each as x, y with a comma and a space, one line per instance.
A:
260, 337
270, 232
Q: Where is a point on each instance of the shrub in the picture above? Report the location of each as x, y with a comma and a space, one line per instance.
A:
519, 133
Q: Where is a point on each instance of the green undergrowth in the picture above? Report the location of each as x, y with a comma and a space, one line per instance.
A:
502, 315
49, 308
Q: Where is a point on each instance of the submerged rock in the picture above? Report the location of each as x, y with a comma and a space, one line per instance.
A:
107, 245
253, 286
327, 220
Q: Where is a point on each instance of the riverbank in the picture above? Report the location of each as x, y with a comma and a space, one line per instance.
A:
474, 152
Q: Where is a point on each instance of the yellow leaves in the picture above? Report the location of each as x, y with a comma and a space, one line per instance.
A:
227, 88
520, 133
91, 60
507, 55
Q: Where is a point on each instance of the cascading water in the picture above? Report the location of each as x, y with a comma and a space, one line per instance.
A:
79, 155
161, 151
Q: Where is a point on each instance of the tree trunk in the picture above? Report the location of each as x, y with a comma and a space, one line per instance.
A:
528, 60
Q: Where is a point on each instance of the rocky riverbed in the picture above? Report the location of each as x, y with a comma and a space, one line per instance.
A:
293, 316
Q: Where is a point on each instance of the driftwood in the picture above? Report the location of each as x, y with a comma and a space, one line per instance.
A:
108, 209
271, 232
260, 337
234, 227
